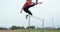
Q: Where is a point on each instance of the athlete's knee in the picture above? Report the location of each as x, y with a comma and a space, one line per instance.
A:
30, 13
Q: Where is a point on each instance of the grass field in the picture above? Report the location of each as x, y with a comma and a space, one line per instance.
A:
25, 30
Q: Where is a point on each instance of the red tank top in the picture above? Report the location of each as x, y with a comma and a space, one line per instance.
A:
27, 4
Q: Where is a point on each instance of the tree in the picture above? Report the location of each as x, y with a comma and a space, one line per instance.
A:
58, 28
16, 27
13, 27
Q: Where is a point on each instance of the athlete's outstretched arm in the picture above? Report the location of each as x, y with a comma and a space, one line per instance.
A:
23, 7
38, 3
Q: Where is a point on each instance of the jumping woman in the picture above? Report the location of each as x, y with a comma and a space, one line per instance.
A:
27, 5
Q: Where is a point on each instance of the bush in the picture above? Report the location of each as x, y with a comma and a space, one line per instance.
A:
31, 27
2, 28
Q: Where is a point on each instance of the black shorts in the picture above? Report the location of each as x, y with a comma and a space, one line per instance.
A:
26, 9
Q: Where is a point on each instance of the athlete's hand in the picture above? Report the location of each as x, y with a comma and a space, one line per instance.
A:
20, 11
40, 2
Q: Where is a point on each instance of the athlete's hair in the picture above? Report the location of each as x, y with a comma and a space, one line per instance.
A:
27, 0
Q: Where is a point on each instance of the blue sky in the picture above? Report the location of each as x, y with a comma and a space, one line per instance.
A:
10, 13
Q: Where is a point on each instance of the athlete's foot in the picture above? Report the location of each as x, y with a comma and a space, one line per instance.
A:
26, 16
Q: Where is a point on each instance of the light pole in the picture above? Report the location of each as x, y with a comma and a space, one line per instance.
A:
28, 21
42, 25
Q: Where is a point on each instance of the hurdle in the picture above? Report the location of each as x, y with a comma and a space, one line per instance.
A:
35, 18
